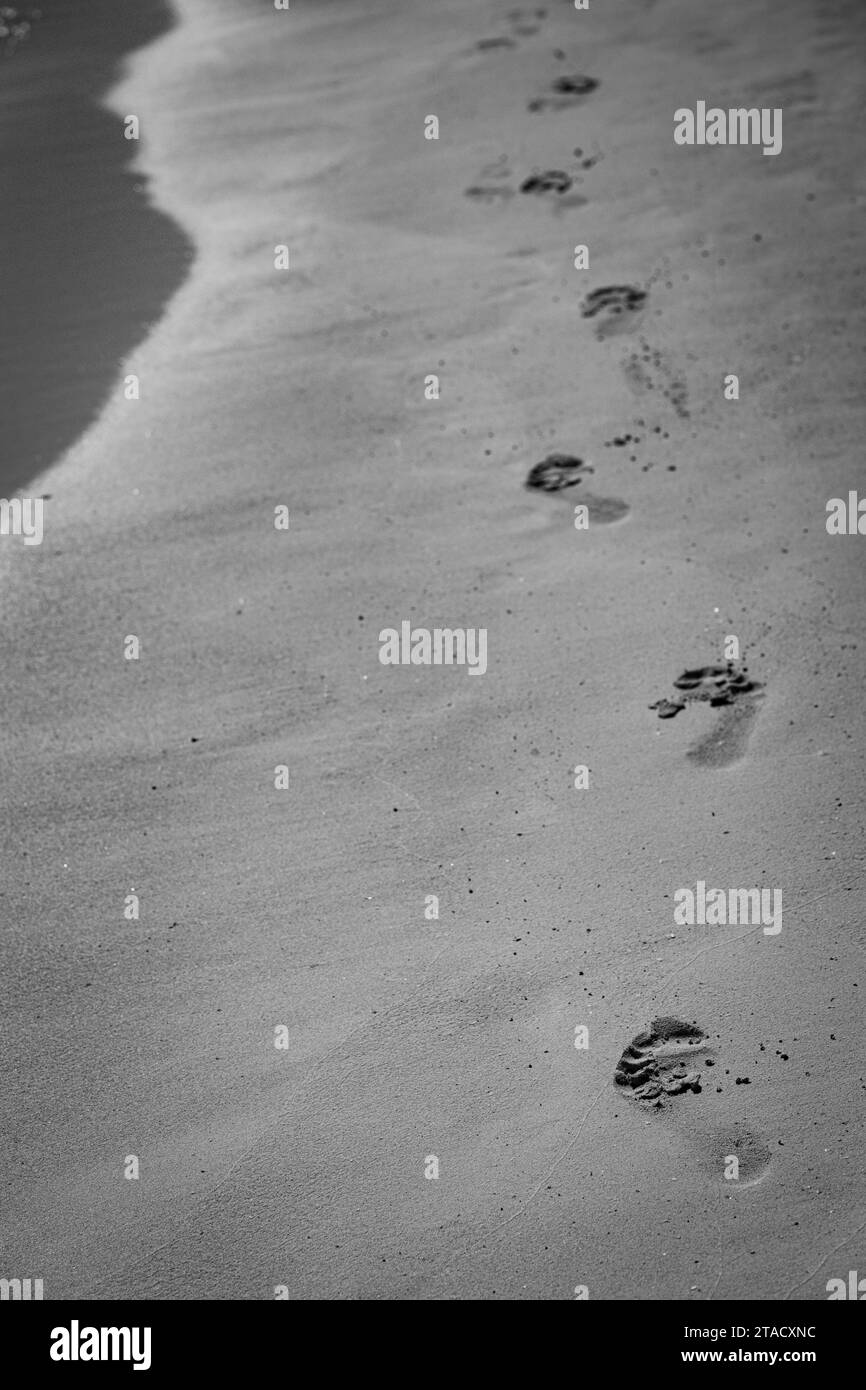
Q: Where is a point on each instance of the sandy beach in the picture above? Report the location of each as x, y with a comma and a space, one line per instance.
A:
391, 959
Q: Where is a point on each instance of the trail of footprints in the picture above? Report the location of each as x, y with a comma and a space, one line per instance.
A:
616, 310
670, 1058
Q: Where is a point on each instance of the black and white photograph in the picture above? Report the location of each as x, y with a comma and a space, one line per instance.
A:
432, 582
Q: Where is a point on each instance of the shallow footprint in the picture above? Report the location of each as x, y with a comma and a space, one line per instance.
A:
728, 688
735, 1156
487, 193
728, 741
567, 91
571, 200
604, 510
663, 1061
525, 22
496, 169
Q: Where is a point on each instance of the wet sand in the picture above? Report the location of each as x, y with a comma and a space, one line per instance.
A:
454, 1037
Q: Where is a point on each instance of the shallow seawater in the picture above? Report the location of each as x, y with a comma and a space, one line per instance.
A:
88, 264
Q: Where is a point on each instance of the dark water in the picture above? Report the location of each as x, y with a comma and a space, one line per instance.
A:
86, 266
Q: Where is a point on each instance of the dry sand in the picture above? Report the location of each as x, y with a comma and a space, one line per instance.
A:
454, 1037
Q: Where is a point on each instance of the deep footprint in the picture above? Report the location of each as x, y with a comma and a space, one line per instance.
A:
577, 85
618, 308
550, 181
615, 297
660, 1062
560, 471
728, 688
557, 471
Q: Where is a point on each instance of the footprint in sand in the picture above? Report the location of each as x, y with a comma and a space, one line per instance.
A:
672, 1057
560, 471
489, 186
566, 92
541, 182
618, 308
718, 1146
665, 1060
549, 181
728, 688
576, 85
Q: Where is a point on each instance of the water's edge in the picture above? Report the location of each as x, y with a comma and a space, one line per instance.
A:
89, 263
